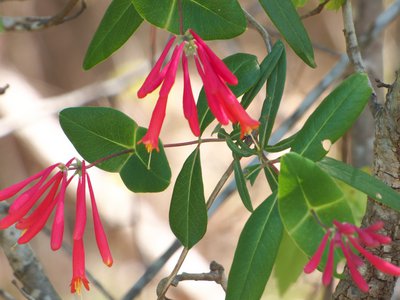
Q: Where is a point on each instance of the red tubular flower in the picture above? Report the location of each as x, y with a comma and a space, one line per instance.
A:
344, 235
52, 189
156, 76
189, 105
101, 237
150, 139
215, 76
78, 268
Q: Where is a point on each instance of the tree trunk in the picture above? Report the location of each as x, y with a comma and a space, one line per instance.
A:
387, 169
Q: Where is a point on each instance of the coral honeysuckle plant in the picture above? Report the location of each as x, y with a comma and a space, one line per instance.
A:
307, 207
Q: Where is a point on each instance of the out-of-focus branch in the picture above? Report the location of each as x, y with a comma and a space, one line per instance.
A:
6, 296
353, 51
4, 89
23, 261
261, 29
315, 11
37, 23
216, 274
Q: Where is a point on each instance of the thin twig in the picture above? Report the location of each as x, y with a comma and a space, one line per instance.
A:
39, 23
353, 51
216, 274
4, 89
315, 11
195, 142
261, 29
167, 283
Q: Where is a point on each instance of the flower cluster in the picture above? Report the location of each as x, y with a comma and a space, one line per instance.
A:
43, 193
348, 238
215, 76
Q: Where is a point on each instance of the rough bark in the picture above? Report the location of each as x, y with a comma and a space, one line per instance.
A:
26, 267
387, 169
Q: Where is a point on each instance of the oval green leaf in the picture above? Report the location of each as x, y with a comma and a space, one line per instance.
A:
247, 70
305, 188
188, 211
284, 16
119, 22
211, 19
256, 252
98, 132
333, 117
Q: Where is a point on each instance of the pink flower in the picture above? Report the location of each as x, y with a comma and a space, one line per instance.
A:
215, 76
78, 268
343, 235
32, 208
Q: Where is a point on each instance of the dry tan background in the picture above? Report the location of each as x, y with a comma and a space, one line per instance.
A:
41, 65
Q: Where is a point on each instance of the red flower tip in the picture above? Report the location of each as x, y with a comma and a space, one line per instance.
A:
156, 76
316, 258
346, 234
78, 268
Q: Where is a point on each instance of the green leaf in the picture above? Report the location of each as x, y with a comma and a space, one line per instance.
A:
333, 117
188, 211
272, 178
282, 145
299, 3
251, 172
246, 69
98, 132
275, 86
1, 25
284, 16
334, 4
256, 252
362, 181
266, 67
222, 19
305, 188
244, 151
289, 264
119, 22
241, 184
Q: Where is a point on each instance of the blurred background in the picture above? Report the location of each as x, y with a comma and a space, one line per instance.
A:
44, 72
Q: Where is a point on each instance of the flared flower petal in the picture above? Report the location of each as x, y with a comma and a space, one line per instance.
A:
78, 268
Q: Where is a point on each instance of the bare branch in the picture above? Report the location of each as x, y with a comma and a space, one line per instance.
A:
6, 296
315, 11
3, 89
261, 29
216, 274
353, 51
39, 23
23, 261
